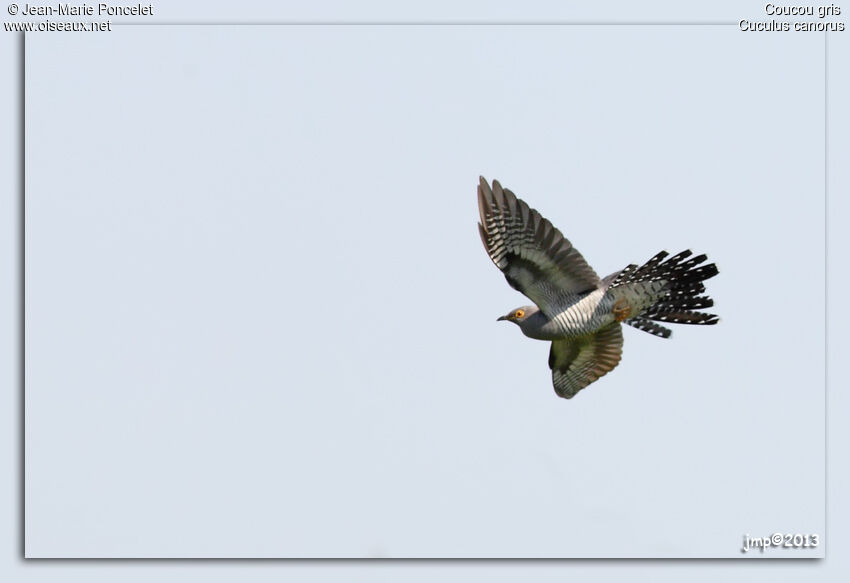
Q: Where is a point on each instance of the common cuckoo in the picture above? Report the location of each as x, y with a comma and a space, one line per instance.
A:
575, 309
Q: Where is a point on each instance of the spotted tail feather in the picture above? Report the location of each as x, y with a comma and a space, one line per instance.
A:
682, 295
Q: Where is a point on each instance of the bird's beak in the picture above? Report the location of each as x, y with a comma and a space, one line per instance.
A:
500, 318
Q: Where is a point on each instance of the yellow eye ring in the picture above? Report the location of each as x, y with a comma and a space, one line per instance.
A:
519, 313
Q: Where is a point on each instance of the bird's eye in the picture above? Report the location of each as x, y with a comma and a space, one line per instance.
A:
519, 314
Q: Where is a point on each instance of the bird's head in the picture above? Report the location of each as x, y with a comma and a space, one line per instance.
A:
520, 315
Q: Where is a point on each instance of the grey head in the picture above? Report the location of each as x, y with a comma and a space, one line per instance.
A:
529, 318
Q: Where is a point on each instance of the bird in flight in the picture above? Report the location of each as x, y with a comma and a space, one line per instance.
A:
575, 309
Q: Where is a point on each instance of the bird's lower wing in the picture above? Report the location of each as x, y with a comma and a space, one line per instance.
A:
576, 363
535, 257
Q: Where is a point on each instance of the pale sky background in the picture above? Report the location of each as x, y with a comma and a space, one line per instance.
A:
260, 321
243, 172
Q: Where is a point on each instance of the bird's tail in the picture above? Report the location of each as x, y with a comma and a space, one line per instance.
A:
681, 297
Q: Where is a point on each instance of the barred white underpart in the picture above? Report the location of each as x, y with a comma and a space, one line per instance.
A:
575, 309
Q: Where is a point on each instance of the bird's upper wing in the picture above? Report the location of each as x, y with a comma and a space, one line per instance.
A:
577, 362
535, 257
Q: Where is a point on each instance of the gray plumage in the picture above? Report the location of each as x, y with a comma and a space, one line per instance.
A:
575, 309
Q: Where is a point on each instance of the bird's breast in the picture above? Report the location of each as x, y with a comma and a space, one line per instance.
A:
587, 315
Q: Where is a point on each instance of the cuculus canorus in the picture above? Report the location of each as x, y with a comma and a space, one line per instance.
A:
575, 309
